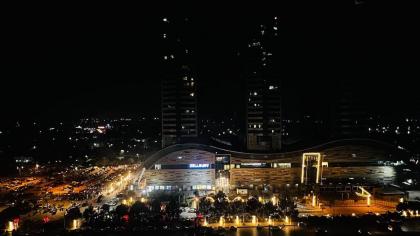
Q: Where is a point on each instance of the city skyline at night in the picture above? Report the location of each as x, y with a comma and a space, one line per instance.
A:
260, 119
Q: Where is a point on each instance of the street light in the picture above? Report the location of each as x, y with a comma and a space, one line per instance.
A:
274, 200
314, 200
10, 226
221, 221
76, 224
254, 219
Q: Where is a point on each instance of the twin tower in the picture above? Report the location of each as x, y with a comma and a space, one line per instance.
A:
263, 112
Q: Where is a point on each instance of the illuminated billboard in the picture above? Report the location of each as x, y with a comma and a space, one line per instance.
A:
199, 166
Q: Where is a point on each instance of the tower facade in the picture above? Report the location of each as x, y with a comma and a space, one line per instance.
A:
264, 114
263, 109
178, 87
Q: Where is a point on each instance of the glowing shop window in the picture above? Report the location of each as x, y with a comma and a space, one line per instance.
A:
284, 165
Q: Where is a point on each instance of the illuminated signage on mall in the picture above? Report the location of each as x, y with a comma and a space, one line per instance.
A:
201, 166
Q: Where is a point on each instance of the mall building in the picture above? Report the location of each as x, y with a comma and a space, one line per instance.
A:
196, 167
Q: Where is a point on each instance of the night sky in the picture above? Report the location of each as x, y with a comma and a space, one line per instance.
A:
105, 62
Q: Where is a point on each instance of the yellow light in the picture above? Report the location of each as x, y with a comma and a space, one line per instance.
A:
274, 200
269, 220
353, 214
404, 213
368, 200
124, 202
254, 220
286, 220
205, 222
260, 199
131, 199
401, 200
303, 169
75, 224
314, 200
221, 221
143, 200
237, 220
10, 226
417, 213
318, 165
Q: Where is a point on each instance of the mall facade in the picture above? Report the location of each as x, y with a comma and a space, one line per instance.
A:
196, 167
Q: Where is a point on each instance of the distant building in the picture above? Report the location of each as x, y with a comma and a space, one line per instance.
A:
179, 98
179, 110
350, 116
264, 115
263, 128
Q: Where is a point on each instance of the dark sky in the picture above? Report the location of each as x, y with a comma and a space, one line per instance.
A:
69, 63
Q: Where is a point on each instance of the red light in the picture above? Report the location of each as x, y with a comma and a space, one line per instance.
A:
46, 219
125, 218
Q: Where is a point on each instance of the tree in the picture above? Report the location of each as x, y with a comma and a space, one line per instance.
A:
156, 206
220, 196
268, 209
121, 210
288, 207
88, 214
402, 206
138, 208
172, 209
252, 205
99, 200
205, 205
105, 208
237, 207
9, 213
220, 203
73, 213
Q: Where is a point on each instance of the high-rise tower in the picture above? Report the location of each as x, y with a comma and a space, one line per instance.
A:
179, 98
264, 127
